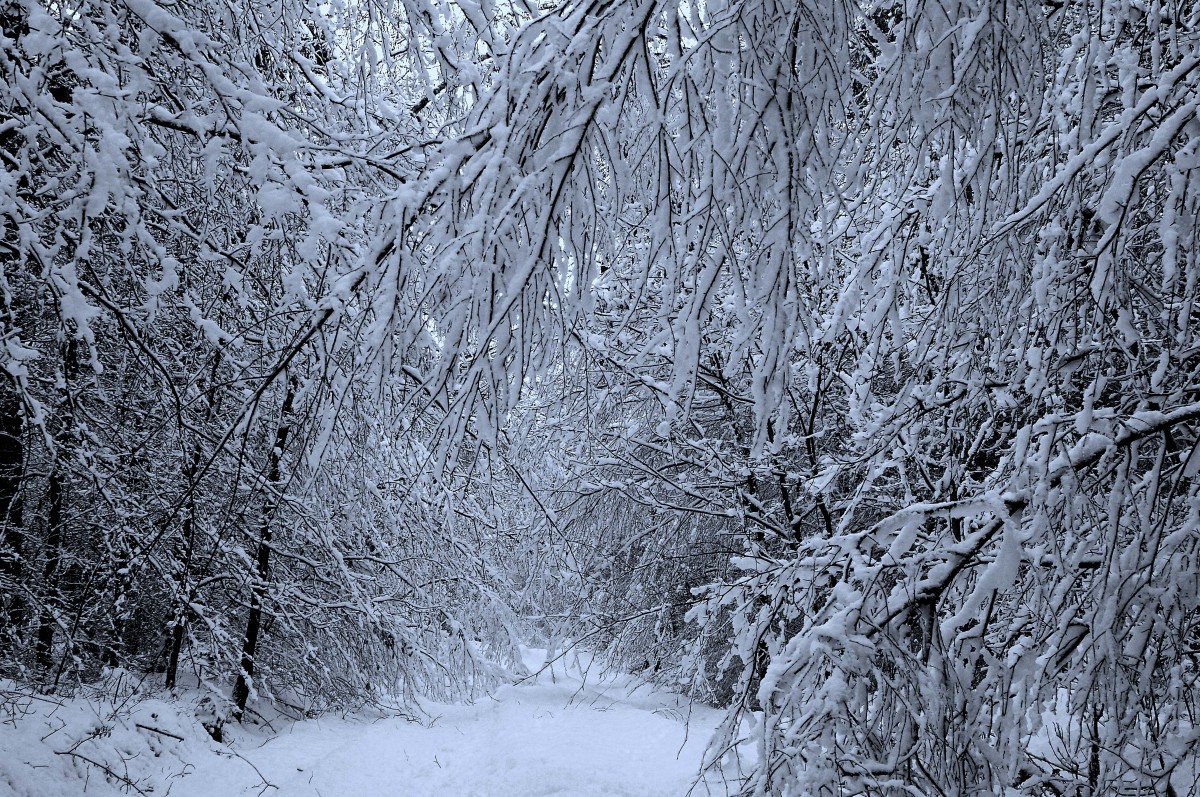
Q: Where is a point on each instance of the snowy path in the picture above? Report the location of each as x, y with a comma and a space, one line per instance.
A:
561, 736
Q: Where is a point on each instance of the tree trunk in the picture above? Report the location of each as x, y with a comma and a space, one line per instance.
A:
179, 619
12, 542
51, 601
184, 586
258, 590
13, 609
44, 646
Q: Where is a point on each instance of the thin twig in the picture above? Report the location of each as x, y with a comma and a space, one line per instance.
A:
159, 731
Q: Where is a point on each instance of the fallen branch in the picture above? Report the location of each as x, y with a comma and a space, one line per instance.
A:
159, 731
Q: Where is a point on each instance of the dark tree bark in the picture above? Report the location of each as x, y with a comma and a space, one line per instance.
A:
13, 609
44, 646
179, 619
177, 629
258, 591
12, 541
52, 592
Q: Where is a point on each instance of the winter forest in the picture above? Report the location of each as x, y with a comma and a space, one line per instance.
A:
834, 363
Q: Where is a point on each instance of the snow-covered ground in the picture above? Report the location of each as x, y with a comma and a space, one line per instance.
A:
559, 733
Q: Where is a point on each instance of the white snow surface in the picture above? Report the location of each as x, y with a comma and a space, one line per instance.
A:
567, 731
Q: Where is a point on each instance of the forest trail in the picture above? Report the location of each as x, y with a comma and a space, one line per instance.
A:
567, 731
560, 733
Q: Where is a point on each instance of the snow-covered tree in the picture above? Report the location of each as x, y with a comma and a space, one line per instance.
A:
939, 262
199, 329
860, 336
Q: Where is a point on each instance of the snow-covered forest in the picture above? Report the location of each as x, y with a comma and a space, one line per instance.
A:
834, 363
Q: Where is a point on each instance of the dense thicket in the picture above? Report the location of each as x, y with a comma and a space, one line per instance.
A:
836, 360
883, 369
212, 465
